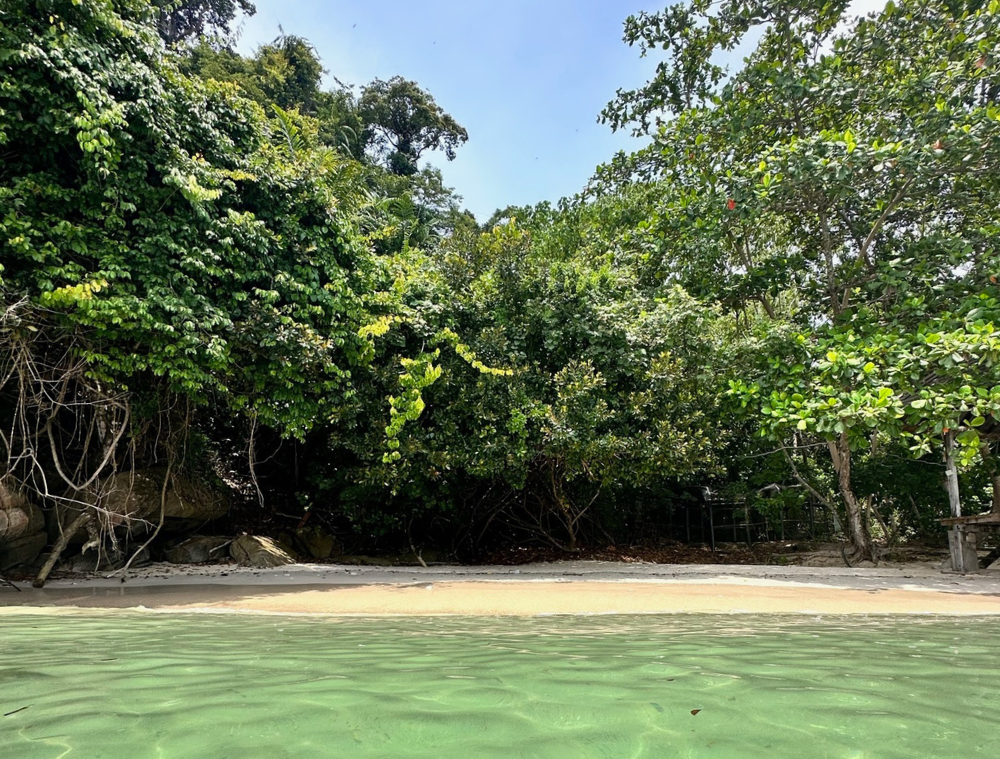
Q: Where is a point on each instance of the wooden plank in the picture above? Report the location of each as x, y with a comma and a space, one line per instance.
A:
972, 519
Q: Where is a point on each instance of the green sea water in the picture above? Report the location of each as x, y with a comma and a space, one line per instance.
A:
133, 685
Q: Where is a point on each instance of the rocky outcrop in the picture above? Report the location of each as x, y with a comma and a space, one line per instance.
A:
130, 502
18, 516
22, 527
254, 551
197, 550
317, 542
92, 561
21, 551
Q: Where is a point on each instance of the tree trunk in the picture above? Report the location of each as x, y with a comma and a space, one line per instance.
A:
857, 524
961, 538
951, 475
990, 460
564, 505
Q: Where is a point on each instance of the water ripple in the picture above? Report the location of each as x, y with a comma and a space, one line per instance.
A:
128, 686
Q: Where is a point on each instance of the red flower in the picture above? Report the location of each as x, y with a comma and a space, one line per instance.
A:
731, 205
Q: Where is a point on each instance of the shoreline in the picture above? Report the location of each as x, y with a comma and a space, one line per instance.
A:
564, 588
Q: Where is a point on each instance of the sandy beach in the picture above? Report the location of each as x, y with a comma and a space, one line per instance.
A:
559, 588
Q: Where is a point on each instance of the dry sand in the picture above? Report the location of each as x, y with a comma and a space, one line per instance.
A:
588, 597
566, 588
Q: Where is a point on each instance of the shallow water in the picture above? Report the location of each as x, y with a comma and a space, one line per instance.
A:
131, 685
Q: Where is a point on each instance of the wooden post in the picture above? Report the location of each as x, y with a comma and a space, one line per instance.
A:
951, 475
995, 479
961, 538
711, 524
962, 544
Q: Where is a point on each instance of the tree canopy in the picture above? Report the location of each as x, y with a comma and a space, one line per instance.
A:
403, 122
181, 20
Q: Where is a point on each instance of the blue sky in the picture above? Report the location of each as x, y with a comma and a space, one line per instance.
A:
526, 79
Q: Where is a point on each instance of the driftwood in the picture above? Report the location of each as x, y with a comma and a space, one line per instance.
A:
81, 521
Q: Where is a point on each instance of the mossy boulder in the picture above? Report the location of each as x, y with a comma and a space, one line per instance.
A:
259, 552
317, 542
199, 549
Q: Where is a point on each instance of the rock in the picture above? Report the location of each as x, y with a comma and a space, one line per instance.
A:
197, 550
254, 551
142, 559
22, 527
18, 516
132, 500
286, 542
317, 542
88, 562
137, 495
22, 550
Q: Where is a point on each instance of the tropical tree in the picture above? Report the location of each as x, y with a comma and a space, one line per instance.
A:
181, 20
403, 122
849, 167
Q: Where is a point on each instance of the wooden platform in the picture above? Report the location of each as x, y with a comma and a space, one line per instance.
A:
963, 539
972, 519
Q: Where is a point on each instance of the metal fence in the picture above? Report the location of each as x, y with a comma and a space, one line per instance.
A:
717, 520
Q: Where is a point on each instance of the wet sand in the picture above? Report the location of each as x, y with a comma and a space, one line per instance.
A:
571, 588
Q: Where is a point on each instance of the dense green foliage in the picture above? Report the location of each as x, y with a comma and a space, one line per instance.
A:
167, 223
789, 296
